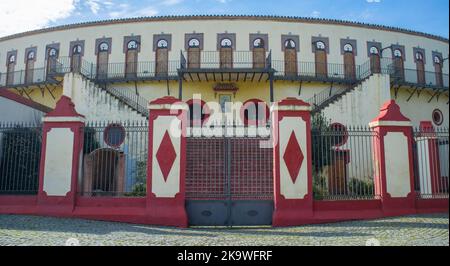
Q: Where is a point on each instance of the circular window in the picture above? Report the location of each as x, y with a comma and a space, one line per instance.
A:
162, 44
52, 52
340, 134
132, 45
226, 43
373, 50
258, 43
320, 45
348, 48
290, 44
194, 43
438, 118
104, 47
114, 135
397, 53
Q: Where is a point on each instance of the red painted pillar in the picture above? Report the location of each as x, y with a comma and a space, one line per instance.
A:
62, 147
293, 195
167, 162
393, 156
428, 152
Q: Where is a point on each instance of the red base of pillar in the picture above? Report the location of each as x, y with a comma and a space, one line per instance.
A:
399, 206
167, 212
292, 212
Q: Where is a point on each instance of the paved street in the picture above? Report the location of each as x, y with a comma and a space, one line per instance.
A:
410, 230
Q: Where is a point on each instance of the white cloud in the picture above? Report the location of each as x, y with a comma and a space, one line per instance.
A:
24, 15
373, 1
171, 2
315, 14
93, 5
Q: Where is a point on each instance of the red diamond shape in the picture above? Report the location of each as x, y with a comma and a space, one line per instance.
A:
166, 155
293, 157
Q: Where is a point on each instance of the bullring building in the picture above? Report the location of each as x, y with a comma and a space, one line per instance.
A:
110, 70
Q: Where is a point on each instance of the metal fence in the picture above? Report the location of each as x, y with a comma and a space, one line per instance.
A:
20, 153
220, 60
343, 163
431, 162
235, 167
115, 159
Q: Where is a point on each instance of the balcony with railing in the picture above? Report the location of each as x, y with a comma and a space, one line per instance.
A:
26, 78
225, 66
420, 79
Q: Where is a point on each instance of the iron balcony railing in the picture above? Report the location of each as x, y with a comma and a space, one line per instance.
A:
419, 78
219, 60
23, 78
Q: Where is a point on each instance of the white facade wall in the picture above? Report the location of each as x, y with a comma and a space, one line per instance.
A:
211, 27
12, 111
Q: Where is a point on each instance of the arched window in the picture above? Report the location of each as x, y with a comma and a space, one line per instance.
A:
348, 48
31, 55
290, 44
437, 60
320, 45
419, 56
132, 45
103, 47
162, 44
77, 49
194, 43
52, 52
12, 59
226, 43
255, 112
258, 43
397, 53
374, 50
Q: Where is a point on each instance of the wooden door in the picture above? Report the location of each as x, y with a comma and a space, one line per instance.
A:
259, 57
131, 64
398, 68
102, 65
375, 63
51, 66
290, 62
29, 69
438, 74
162, 58
321, 64
194, 57
10, 74
226, 57
349, 66
76, 63
420, 66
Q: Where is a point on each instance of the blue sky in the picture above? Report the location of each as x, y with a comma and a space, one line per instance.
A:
430, 16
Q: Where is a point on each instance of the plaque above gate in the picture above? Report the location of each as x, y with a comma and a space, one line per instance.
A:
225, 87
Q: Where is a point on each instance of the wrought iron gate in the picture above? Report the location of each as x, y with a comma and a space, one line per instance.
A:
229, 181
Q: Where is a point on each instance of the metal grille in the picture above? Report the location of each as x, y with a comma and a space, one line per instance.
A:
115, 159
20, 153
431, 162
228, 168
343, 163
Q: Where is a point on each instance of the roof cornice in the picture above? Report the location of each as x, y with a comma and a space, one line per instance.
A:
227, 17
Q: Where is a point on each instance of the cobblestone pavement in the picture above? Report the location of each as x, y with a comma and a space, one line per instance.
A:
408, 230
